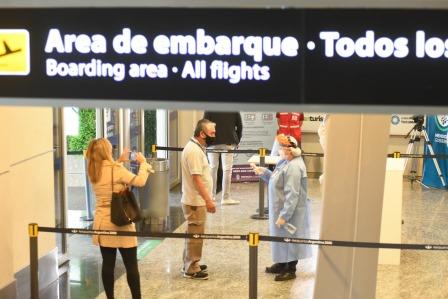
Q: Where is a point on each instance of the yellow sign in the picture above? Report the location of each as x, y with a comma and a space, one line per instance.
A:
14, 52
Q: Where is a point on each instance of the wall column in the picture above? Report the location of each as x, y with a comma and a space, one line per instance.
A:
354, 168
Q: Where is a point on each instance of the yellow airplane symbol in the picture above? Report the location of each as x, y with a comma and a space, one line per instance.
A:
8, 51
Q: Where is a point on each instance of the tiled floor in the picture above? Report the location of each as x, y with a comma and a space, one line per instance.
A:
420, 275
227, 260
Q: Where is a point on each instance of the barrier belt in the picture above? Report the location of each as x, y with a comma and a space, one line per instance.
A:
400, 155
179, 149
141, 234
355, 244
393, 155
246, 237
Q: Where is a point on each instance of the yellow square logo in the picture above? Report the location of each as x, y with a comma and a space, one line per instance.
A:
14, 52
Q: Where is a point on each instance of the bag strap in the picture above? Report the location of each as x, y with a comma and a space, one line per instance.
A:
112, 183
130, 183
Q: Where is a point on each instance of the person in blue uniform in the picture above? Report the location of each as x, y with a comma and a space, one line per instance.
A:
289, 208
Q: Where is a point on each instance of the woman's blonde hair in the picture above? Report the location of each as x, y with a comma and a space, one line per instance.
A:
98, 150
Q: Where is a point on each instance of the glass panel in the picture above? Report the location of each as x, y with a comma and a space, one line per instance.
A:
79, 129
135, 136
173, 141
59, 192
135, 129
112, 121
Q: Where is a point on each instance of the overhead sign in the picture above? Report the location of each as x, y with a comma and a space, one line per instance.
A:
292, 56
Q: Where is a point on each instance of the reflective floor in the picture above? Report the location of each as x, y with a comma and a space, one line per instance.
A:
228, 261
420, 274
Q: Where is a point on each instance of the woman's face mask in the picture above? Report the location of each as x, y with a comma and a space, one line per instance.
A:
284, 153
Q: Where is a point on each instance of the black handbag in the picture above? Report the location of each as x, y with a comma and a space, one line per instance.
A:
124, 208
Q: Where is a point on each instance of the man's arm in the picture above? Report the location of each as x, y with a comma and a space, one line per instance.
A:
211, 208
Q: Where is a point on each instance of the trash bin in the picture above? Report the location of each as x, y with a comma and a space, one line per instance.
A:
154, 195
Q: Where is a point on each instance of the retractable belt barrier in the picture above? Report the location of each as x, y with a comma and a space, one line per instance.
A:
248, 151
179, 149
233, 237
141, 234
262, 152
252, 238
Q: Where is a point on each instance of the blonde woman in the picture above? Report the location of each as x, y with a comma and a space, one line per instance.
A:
100, 168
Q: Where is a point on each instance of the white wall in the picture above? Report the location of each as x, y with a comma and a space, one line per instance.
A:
26, 151
6, 217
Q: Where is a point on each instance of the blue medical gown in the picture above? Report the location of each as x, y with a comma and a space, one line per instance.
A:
287, 187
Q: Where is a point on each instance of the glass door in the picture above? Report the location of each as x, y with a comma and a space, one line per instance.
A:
59, 181
112, 125
133, 134
173, 141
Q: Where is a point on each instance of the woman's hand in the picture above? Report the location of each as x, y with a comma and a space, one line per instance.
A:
140, 158
257, 170
280, 221
124, 155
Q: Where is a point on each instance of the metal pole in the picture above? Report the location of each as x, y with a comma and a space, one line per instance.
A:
253, 264
34, 265
261, 185
261, 214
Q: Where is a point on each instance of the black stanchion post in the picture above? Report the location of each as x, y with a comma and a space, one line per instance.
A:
253, 264
34, 265
261, 214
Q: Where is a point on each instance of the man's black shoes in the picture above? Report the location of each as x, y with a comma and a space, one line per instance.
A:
201, 275
203, 269
285, 276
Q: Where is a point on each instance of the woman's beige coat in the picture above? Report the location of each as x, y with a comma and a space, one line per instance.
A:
103, 194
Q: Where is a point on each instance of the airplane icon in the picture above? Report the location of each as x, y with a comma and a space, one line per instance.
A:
8, 51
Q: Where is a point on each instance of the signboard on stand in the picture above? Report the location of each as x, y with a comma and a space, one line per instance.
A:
259, 130
437, 129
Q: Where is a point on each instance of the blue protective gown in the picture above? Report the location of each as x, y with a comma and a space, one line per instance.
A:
287, 188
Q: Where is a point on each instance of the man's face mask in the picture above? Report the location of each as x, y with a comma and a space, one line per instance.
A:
209, 140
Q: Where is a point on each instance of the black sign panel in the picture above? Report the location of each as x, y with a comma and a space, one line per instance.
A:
292, 56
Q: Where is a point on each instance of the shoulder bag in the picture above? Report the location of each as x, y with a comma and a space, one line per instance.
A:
124, 208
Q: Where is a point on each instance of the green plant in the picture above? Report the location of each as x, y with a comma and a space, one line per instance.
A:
87, 131
150, 130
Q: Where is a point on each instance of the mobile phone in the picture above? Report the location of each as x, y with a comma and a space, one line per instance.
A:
132, 156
